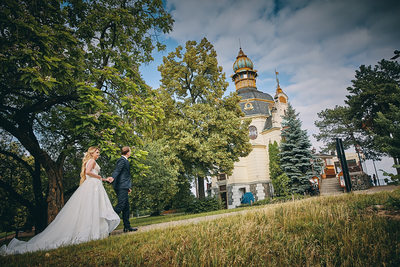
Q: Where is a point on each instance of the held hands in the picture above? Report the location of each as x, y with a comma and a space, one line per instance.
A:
109, 179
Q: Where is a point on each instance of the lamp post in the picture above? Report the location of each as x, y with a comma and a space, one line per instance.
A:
343, 163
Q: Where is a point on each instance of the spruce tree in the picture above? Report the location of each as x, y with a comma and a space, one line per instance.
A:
295, 153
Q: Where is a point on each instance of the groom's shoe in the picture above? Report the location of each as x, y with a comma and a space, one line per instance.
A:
130, 229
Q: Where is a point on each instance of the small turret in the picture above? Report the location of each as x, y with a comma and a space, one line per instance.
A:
244, 76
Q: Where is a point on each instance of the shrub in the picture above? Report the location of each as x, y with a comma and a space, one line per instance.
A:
262, 202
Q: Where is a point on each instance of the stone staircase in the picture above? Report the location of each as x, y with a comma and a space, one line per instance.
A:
330, 186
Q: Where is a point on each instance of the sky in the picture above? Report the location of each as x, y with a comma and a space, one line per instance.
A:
315, 45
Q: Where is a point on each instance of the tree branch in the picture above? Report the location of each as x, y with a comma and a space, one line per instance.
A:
18, 197
18, 159
45, 105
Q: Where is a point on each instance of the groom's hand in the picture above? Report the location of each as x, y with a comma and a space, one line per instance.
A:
110, 179
129, 191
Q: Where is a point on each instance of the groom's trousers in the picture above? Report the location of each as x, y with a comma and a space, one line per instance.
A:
123, 205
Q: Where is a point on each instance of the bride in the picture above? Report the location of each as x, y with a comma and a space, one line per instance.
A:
88, 214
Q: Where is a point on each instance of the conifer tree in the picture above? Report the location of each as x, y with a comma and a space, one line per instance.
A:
296, 156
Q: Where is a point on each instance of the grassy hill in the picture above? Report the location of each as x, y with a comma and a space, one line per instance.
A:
345, 230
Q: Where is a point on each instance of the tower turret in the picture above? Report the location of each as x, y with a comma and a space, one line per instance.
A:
280, 96
244, 76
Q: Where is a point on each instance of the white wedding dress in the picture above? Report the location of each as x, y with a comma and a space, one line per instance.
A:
88, 215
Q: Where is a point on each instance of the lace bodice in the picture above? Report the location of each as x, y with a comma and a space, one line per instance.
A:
95, 170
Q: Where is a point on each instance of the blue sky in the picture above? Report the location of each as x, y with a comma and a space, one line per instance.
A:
315, 45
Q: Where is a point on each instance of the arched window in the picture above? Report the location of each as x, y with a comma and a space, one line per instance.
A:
253, 132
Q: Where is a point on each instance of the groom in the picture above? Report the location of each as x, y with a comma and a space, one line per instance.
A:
123, 186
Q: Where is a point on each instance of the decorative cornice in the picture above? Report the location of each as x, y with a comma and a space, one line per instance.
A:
255, 117
256, 99
259, 145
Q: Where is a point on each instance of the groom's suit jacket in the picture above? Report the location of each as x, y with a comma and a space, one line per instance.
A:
122, 175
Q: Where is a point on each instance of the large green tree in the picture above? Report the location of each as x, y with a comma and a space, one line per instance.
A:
296, 157
69, 78
20, 186
374, 102
202, 127
338, 123
157, 184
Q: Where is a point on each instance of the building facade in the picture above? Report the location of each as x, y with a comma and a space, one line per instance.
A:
251, 174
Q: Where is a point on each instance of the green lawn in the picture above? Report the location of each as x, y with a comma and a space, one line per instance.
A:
345, 230
142, 221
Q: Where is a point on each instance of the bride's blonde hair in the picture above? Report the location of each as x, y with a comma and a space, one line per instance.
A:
88, 156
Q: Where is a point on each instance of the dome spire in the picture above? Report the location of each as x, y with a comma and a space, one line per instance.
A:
244, 75
278, 88
280, 96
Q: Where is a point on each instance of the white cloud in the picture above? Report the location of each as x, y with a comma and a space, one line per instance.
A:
316, 45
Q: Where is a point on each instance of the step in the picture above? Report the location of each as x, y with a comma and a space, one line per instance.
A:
330, 186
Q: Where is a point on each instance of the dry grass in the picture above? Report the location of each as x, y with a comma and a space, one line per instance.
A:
321, 231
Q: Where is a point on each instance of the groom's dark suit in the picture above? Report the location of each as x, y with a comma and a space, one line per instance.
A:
122, 183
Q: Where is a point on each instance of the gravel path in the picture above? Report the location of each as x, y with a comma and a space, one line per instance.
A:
164, 225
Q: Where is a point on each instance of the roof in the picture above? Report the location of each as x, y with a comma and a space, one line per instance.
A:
254, 102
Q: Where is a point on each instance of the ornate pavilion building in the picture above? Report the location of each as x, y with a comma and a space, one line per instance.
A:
251, 174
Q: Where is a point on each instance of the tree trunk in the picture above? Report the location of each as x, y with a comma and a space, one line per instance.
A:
200, 181
55, 198
22, 129
40, 210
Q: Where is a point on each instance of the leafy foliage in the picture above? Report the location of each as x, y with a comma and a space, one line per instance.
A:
157, 185
202, 127
16, 189
390, 121
337, 123
184, 196
280, 180
70, 78
204, 205
374, 101
393, 178
295, 153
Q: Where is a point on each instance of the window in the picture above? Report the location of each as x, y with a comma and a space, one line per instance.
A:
253, 132
221, 177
